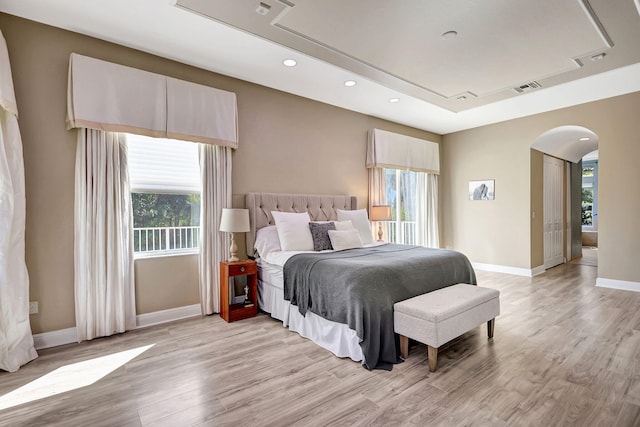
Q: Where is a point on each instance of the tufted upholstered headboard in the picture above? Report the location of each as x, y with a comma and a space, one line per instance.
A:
320, 208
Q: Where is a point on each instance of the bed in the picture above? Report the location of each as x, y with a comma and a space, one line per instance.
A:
351, 313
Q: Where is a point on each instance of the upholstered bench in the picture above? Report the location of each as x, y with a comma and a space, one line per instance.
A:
437, 317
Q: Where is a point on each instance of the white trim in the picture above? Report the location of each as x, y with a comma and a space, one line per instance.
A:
164, 316
509, 270
537, 270
69, 335
55, 338
618, 284
164, 254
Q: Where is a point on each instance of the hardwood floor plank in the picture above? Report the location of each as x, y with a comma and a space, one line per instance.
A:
564, 353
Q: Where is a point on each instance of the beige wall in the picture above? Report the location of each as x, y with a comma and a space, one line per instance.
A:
487, 231
498, 232
166, 282
287, 144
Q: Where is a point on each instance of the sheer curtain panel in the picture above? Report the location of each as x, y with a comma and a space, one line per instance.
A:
104, 289
427, 211
215, 168
16, 341
378, 196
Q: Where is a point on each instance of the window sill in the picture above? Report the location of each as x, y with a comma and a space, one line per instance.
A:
163, 254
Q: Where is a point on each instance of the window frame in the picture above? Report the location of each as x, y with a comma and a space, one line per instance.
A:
163, 234
396, 227
591, 182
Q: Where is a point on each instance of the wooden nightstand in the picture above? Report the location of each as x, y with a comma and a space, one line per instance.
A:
245, 267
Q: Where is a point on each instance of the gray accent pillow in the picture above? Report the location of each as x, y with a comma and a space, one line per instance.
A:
320, 235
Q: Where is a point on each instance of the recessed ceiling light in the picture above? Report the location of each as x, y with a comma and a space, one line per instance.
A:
392, 100
462, 98
263, 9
350, 83
598, 57
585, 138
289, 62
449, 35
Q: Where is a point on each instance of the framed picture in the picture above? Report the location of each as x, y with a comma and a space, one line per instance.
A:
482, 190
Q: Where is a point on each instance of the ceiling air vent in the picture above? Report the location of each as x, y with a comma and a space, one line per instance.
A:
527, 87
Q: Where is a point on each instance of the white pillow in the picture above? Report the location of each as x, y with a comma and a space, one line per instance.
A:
267, 241
360, 222
293, 230
345, 239
343, 225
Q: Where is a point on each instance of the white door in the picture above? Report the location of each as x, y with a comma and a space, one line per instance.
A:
553, 200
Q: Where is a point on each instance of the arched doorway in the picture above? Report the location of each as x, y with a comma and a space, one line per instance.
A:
562, 149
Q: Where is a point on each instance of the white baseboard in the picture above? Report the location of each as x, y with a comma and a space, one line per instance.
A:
538, 270
164, 316
618, 284
509, 270
55, 338
69, 335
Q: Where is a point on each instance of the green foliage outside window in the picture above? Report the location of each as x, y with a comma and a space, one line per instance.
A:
165, 210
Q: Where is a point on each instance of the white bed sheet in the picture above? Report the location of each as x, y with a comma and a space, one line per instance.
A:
336, 337
279, 258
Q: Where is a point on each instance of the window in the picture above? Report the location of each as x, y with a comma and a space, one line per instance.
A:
590, 194
165, 194
401, 193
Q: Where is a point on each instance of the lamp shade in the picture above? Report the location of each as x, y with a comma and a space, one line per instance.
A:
234, 220
380, 213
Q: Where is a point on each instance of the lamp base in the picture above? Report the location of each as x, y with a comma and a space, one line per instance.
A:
380, 233
233, 250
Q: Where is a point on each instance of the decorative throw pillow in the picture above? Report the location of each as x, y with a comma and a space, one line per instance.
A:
345, 239
360, 221
320, 235
293, 231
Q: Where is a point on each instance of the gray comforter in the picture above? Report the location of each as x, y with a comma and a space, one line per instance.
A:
358, 287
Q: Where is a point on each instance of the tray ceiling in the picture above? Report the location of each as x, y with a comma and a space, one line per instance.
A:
509, 58
457, 54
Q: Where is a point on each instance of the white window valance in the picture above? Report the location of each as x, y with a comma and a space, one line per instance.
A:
395, 151
111, 97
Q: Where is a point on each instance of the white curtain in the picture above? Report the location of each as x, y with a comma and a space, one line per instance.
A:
16, 341
427, 210
378, 196
215, 168
104, 280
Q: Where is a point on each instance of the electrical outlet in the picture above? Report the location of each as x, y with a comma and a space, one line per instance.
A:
33, 307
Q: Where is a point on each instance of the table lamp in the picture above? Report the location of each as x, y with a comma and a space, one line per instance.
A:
234, 221
380, 213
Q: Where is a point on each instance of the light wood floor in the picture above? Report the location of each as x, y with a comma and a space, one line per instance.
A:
564, 353
589, 256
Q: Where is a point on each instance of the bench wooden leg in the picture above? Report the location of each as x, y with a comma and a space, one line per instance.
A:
490, 325
432, 353
404, 346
